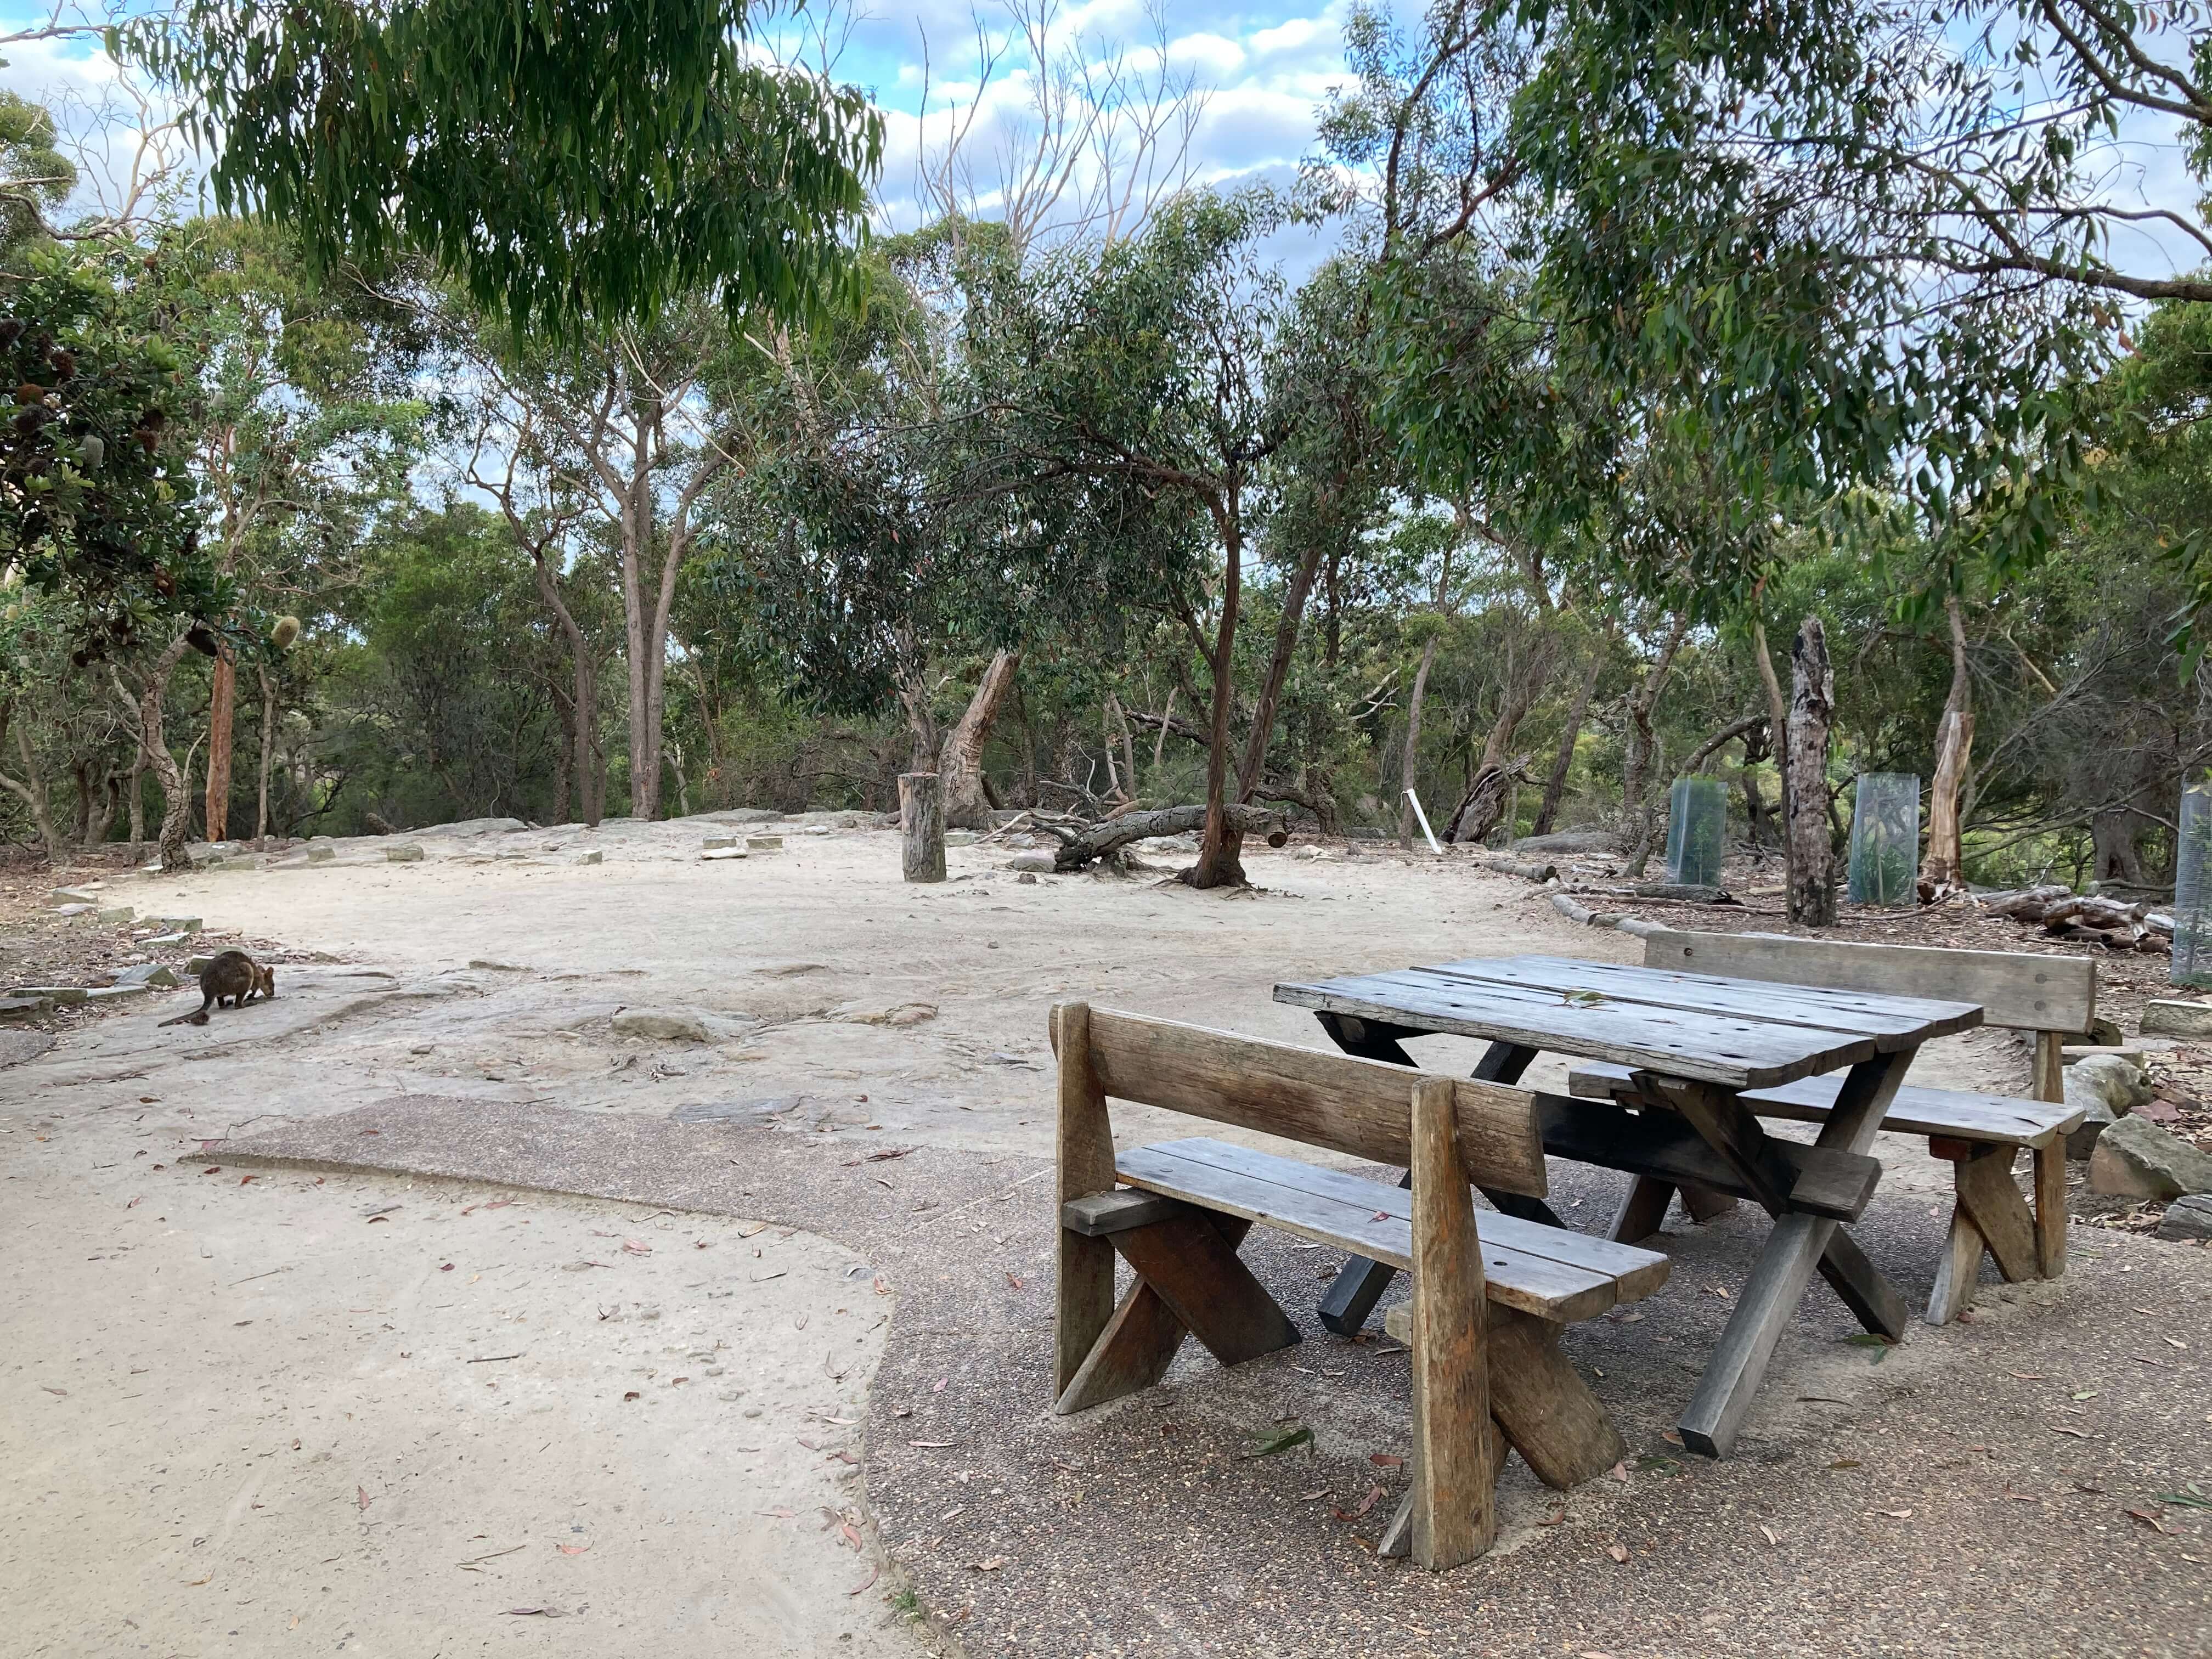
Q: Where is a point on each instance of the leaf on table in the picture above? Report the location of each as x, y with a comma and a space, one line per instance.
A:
852, 1535
1581, 998
1280, 1441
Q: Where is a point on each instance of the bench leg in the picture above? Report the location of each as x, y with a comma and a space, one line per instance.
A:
1196, 1273
1991, 1199
1540, 1400
1642, 1210
1705, 1204
1455, 1515
1140, 1341
1083, 1285
1956, 1272
1864, 1289
2051, 1208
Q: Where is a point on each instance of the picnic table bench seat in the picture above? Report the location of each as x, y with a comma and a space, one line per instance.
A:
1979, 1134
1490, 1296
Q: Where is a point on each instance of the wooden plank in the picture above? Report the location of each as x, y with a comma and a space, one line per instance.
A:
1770, 1297
1736, 1052
2015, 989
1556, 1290
2047, 1072
2002, 1119
1397, 1539
1638, 1273
1362, 1108
2051, 1209
1112, 1212
1083, 1282
1641, 1209
1957, 1272
1991, 1199
1862, 1287
1140, 1341
1659, 1144
1892, 1021
1198, 1274
1455, 1515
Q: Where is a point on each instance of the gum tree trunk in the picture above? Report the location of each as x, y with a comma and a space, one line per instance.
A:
1563, 758
960, 760
1812, 705
1406, 822
222, 706
1945, 865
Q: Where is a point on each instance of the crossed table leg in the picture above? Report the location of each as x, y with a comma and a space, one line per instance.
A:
1799, 1244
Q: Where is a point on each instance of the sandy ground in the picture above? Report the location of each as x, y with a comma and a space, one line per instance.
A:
390, 1415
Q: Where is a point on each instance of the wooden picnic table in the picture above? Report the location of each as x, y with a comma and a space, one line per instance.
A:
1696, 1042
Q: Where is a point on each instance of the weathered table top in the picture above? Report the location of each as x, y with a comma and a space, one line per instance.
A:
1742, 1034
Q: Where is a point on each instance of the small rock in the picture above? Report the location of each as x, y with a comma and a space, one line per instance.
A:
906, 1013
2188, 1217
650, 1022
74, 910
715, 843
764, 843
119, 914
174, 924
497, 966
320, 854
74, 896
591, 858
2106, 1088
109, 992
1026, 879
165, 938
959, 837
715, 855
197, 965
2175, 1017
2138, 1159
848, 822
154, 974
1039, 863
407, 852
53, 992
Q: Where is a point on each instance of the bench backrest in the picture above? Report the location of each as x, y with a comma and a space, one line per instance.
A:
1361, 1107
2025, 991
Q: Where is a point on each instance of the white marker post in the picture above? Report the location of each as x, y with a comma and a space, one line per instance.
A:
1423, 818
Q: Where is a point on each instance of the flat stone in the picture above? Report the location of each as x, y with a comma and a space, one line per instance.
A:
743, 815
74, 896
959, 837
723, 1111
109, 992
2073, 1053
74, 910
651, 1023
591, 858
497, 966
54, 994
716, 855
199, 965
715, 843
165, 938
1027, 878
119, 914
2118, 1086
2138, 1159
318, 853
764, 843
2175, 1017
24, 1005
2188, 1218
173, 924
159, 976
411, 853
1038, 863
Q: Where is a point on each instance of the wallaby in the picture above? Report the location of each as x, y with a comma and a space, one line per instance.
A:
232, 980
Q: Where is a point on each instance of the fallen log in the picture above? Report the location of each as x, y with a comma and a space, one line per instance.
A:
1099, 840
1524, 868
1675, 892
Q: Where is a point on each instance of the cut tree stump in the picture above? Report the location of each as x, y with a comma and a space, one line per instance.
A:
921, 826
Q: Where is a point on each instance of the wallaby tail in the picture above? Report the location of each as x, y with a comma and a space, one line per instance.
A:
198, 1017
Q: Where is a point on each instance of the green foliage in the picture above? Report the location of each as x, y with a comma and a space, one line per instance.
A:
35, 178
566, 161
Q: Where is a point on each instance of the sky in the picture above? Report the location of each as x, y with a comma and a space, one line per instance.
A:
1263, 74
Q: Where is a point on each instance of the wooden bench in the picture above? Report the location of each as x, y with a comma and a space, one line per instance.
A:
1980, 1135
1489, 1298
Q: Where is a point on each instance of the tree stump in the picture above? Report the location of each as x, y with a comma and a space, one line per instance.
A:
921, 825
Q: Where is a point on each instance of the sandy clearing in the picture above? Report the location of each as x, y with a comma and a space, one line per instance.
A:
195, 1335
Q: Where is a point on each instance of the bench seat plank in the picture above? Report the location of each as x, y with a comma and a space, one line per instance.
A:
1552, 1273
1999, 1119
